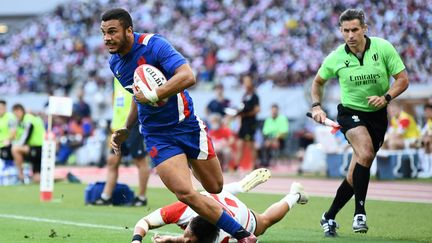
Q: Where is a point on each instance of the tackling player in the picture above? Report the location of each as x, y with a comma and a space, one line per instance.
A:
196, 229
175, 137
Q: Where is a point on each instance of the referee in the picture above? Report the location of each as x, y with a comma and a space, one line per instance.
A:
363, 66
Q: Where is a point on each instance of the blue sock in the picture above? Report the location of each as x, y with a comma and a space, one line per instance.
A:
231, 226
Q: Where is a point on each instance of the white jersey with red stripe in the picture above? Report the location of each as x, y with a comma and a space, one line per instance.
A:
180, 214
154, 50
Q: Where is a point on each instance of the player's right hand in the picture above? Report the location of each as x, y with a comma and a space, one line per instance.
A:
117, 138
318, 114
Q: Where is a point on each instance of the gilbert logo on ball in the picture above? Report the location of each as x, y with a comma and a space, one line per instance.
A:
148, 78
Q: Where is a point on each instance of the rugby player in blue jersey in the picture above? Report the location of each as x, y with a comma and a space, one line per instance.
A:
175, 137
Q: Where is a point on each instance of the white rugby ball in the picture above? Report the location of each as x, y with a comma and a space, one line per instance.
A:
147, 78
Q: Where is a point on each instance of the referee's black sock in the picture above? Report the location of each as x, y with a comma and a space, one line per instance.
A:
361, 176
343, 195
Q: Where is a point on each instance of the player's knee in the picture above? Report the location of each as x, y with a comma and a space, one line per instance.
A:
215, 187
186, 197
366, 158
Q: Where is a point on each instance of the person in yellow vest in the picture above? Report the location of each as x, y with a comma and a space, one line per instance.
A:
134, 146
28, 141
7, 131
403, 130
426, 143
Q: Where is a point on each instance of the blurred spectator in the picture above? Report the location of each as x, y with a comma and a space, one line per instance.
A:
219, 103
223, 139
7, 131
403, 130
306, 136
249, 124
28, 142
426, 143
81, 108
275, 131
73, 135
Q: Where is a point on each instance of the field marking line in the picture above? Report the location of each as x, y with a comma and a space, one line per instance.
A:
79, 224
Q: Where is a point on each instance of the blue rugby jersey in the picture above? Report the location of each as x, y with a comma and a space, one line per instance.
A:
154, 50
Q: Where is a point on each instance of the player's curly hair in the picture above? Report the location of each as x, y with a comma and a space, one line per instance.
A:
119, 14
351, 14
204, 231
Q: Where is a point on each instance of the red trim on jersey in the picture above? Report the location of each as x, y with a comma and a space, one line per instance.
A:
211, 150
141, 61
186, 110
141, 75
225, 240
172, 213
215, 197
141, 38
247, 221
231, 203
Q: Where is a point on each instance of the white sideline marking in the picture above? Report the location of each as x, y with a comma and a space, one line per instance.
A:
87, 225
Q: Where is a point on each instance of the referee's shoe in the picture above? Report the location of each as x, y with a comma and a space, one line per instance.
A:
329, 226
359, 223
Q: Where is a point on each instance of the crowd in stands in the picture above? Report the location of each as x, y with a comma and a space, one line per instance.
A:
61, 52
281, 41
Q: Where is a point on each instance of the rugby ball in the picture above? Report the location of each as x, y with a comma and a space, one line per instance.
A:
148, 78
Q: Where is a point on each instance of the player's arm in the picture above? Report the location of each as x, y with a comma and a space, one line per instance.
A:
170, 214
400, 84
168, 239
182, 79
318, 113
152, 221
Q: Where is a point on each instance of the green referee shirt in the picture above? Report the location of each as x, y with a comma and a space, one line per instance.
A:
362, 77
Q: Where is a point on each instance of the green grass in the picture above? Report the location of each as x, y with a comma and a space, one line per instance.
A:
388, 221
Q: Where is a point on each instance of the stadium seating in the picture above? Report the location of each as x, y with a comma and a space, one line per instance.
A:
281, 41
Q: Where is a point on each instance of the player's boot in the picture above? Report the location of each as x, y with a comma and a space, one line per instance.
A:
102, 202
250, 239
254, 178
297, 188
329, 226
137, 202
359, 223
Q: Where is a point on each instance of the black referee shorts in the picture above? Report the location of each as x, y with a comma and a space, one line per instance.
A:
376, 123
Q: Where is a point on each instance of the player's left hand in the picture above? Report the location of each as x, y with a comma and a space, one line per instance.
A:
139, 96
158, 239
377, 101
166, 239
